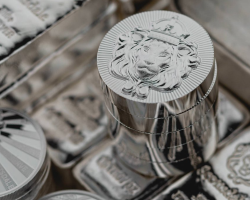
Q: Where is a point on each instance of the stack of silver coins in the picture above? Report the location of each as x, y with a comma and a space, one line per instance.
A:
159, 79
24, 163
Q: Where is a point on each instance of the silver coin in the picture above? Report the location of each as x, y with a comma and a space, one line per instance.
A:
24, 165
134, 77
71, 195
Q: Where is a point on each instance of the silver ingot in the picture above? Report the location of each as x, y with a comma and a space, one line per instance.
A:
24, 164
164, 61
74, 121
105, 175
225, 176
71, 195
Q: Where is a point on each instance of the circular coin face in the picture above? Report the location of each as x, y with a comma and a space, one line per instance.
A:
71, 195
22, 154
155, 56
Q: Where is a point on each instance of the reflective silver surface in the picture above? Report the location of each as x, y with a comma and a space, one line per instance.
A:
160, 123
71, 195
202, 76
38, 41
225, 176
24, 164
105, 175
164, 68
74, 121
75, 54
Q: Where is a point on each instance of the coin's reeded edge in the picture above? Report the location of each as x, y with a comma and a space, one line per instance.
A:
67, 192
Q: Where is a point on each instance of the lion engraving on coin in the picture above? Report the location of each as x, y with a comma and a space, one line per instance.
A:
157, 58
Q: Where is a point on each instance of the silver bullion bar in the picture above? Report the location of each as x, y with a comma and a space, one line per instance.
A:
24, 163
71, 195
105, 175
29, 29
231, 45
74, 121
26, 96
146, 67
225, 176
134, 149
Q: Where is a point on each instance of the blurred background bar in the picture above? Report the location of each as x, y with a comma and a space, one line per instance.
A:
227, 22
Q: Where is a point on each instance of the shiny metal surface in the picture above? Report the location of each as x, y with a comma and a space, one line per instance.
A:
71, 195
170, 154
225, 176
24, 164
233, 116
202, 76
76, 54
38, 41
74, 121
160, 124
165, 70
105, 175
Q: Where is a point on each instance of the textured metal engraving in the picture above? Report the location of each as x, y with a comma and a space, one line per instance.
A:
165, 58
22, 152
158, 57
239, 165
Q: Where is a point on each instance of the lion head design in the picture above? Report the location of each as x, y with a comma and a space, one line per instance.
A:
158, 58
239, 165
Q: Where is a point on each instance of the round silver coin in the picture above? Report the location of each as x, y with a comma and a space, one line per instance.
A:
24, 165
71, 195
154, 58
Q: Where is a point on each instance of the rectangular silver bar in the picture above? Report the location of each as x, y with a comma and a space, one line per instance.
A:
225, 176
74, 121
74, 56
40, 28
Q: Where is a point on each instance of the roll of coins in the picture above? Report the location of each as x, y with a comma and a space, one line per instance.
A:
159, 79
225, 176
24, 164
71, 195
